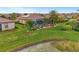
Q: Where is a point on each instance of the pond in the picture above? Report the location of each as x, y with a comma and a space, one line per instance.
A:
41, 47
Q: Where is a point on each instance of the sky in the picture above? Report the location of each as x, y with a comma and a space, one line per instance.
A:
38, 9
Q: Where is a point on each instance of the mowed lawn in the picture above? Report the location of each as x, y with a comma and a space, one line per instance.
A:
18, 37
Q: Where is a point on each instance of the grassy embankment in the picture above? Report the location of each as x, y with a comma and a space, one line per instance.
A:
10, 40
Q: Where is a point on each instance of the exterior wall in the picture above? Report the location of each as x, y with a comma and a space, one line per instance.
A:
8, 26
22, 21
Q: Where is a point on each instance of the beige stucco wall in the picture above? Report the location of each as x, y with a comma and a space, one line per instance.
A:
10, 26
22, 21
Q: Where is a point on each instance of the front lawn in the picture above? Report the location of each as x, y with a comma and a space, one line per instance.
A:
13, 39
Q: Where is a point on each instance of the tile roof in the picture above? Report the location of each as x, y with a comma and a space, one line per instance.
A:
31, 16
4, 20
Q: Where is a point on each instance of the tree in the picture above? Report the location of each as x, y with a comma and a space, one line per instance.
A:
61, 19
29, 24
53, 17
46, 20
13, 16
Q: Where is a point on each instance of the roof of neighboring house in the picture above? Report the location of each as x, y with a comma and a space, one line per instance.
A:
31, 16
4, 20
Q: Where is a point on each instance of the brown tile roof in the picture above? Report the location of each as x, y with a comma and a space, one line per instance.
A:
31, 16
3, 20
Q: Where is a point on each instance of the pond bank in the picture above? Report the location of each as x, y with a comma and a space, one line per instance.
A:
27, 46
41, 47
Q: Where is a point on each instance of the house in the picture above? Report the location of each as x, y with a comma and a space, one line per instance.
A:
6, 24
34, 17
38, 20
7, 16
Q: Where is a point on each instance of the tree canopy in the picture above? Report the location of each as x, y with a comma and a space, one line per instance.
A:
53, 16
13, 16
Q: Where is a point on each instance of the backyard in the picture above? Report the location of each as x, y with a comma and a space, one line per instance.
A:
19, 37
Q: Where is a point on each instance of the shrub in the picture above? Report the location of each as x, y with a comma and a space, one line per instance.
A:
72, 22
46, 20
68, 27
76, 27
60, 27
64, 27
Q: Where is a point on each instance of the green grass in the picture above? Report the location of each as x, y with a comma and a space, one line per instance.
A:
19, 36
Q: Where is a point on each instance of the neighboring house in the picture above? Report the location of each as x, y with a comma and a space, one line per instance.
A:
7, 16
38, 20
33, 17
6, 24
22, 19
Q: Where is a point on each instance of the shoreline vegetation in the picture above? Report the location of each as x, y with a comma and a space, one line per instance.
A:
29, 45
60, 45
66, 46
